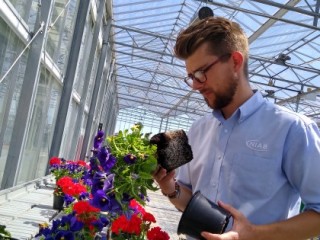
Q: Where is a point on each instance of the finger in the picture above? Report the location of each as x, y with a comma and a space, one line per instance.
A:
210, 236
170, 175
234, 212
166, 176
225, 236
155, 172
161, 174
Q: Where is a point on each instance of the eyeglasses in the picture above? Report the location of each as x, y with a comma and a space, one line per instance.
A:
200, 75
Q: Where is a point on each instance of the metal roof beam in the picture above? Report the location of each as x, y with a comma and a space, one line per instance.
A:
280, 13
146, 16
282, 80
260, 14
156, 60
313, 70
143, 49
157, 104
288, 7
151, 70
150, 9
315, 21
157, 91
132, 3
143, 32
137, 112
159, 84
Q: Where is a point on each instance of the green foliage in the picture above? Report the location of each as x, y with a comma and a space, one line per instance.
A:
4, 234
133, 179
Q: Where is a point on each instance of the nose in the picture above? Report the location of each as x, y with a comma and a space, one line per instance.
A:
196, 85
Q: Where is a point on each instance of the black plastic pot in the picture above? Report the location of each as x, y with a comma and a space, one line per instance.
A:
202, 215
58, 201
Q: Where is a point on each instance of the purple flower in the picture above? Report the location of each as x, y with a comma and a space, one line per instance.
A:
98, 139
101, 200
87, 179
108, 183
107, 161
45, 231
75, 225
66, 235
68, 199
94, 164
130, 158
98, 181
84, 195
66, 219
105, 221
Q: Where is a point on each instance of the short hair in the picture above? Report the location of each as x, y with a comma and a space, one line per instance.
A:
222, 35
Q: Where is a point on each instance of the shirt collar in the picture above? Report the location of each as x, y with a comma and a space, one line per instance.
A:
245, 110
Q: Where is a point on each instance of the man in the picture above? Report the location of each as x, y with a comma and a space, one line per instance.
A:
256, 159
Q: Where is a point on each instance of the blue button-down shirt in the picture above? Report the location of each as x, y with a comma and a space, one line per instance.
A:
261, 160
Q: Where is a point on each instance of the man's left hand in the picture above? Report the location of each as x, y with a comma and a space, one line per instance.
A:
242, 229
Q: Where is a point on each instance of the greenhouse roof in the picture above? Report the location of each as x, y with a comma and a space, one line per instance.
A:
284, 62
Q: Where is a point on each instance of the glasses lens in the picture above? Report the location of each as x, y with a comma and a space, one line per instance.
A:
188, 81
200, 76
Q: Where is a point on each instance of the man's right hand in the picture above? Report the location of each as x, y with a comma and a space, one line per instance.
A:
165, 180
167, 184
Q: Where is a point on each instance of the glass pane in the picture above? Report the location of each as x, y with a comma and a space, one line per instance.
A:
61, 31
35, 155
92, 78
83, 56
10, 87
69, 144
28, 10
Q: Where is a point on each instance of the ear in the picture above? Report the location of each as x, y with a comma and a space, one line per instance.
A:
238, 59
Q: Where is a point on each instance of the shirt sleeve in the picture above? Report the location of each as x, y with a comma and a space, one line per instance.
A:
301, 162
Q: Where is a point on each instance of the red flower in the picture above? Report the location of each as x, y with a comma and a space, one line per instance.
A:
55, 161
148, 217
73, 189
124, 225
134, 226
84, 207
64, 181
136, 206
82, 163
157, 234
119, 225
86, 213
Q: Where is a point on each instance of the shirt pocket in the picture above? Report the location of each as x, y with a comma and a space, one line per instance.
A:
252, 177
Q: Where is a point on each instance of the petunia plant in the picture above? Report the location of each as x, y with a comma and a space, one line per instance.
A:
109, 191
136, 160
136, 225
59, 167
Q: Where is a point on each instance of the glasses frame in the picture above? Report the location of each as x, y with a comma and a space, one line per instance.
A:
203, 71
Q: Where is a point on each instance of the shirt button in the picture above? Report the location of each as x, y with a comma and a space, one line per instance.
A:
226, 130
219, 157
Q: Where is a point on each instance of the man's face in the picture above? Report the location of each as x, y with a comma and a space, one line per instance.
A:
220, 85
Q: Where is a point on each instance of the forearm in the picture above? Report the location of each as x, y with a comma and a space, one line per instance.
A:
302, 226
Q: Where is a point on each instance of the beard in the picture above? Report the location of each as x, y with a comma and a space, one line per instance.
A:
224, 97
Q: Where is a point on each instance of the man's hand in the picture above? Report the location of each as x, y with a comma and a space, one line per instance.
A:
242, 229
164, 179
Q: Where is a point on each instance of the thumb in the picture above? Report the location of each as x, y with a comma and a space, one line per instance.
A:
234, 212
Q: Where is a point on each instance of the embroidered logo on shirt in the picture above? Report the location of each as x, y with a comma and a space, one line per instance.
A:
257, 146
